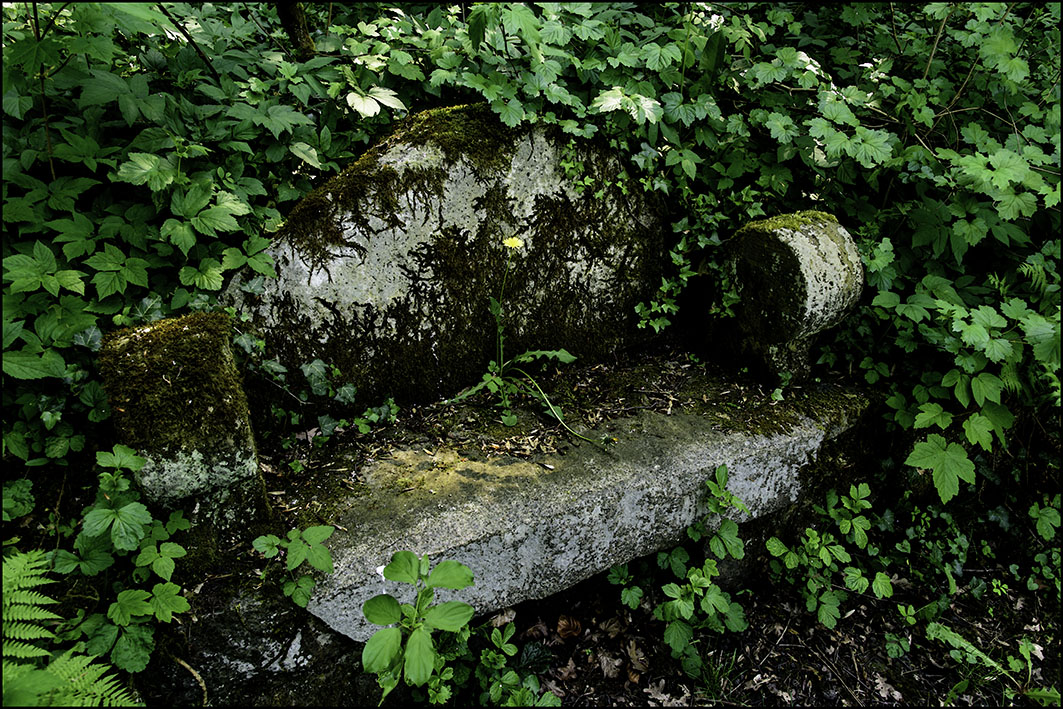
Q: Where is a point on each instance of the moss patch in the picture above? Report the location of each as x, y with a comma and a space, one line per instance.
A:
173, 385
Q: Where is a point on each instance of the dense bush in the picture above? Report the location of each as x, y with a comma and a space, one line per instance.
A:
150, 151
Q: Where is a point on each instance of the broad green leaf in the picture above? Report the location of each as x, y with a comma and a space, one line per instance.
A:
776, 547
319, 557
130, 603
133, 649
419, 658
450, 574
363, 104
855, 579
828, 611
211, 221
979, 430
931, 414
382, 609
882, 586
677, 635
305, 153
381, 650
986, 387
404, 567
129, 525
28, 365
949, 463
452, 615
297, 551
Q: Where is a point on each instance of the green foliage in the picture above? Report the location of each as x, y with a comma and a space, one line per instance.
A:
117, 526
503, 686
406, 651
966, 651
34, 675
697, 603
815, 563
299, 547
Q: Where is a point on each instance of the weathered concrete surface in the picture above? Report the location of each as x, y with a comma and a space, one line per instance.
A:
532, 527
386, 270
797, 275
178, 401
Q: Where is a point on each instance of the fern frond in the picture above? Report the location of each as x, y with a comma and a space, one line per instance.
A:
26, 631
26, 597
1009, 374
84, 683
15, 613
20, 650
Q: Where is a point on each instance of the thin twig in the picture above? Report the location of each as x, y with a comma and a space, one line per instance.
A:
941, 31
199, 679
44, 98
195, 46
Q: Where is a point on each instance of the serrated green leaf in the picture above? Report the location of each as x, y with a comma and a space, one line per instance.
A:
166, 600
132, 651
130, 603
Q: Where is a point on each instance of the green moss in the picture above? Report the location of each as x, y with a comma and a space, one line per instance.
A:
173, 385
794, 222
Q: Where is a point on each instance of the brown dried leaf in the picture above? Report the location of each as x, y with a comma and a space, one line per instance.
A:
638, 659
506, 616
568, 627
610, 666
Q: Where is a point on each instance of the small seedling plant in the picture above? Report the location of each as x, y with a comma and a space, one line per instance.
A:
820, 555
504, 377
405, 650
696, 603
300, 547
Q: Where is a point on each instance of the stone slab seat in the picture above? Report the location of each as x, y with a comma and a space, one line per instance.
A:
529, 528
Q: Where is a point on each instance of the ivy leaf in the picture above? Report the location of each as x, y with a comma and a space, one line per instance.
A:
949, 463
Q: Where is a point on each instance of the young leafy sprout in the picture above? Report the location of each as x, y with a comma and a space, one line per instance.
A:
407, 649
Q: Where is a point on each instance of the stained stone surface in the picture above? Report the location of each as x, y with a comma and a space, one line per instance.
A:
797, 275
531, 527
387, 270
178, 401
